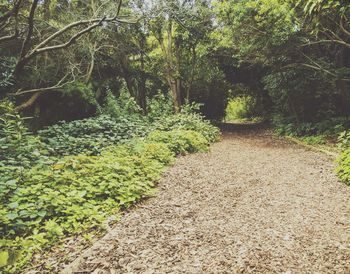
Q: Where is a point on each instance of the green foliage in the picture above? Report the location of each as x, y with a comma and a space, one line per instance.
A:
191, 121
123, 106
90, 135
159, 107
329, 128
6, 80
43, 199
180, 141
344, 140
83, 90
78, 193
343, 166
240, 108
19, 150
314, 140
17, 145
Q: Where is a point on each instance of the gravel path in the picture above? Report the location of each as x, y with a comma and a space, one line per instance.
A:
254, 204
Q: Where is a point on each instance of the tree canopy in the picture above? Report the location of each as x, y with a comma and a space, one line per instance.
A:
291, 56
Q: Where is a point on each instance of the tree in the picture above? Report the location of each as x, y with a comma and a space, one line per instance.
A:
50, 27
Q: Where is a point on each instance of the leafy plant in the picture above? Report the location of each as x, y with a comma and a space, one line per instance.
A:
315, 140
77, 193
180, 141
343, 166
90, 135
344, 140
191, 121
329, 127
17, 145
111, 163
159, 107
19, 149
123, 106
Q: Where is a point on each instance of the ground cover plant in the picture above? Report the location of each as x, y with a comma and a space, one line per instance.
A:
343, 160
86, 83
90, 135
72, 176
330, 133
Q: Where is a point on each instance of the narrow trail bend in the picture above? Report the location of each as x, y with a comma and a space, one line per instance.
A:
254, 204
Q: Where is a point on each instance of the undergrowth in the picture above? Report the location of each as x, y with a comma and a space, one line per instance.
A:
333, 133
70, 177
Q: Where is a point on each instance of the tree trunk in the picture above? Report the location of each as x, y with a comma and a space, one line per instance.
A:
142, 86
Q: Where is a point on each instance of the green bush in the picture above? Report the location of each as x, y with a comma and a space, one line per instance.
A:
89, 136
329, 128
44, 197
190, 121
18, 146
123, 106
344, 140
150, 150
19, 149
180, 141
343, 166
314, 140
159, 107
76, 194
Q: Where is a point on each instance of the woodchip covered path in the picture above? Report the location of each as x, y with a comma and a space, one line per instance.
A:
254, 204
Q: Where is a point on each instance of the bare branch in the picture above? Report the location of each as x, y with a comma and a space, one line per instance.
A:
318, 68
70, 41
330, 41
59, 85
40, 48
342, 27
29, 102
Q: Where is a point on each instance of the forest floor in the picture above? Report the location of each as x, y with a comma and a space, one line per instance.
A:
254, 204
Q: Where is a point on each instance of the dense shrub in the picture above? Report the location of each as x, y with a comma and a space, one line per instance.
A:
189, 121
331, 127
343, 166
18, 146
180, 141
159, 107
19, 149
78, 193
344, 140
91, 135
123, 106
73, 175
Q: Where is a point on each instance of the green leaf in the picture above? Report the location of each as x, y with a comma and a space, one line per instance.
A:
13, 205
4, 257
12, 215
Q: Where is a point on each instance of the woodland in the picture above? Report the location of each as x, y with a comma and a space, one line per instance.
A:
98, 97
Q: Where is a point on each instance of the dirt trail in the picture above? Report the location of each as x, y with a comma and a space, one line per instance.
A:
254, 204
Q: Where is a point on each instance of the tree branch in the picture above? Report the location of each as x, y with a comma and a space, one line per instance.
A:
25, 45
36, 93
41, 47
13, 11
69, 42
29, 102
342, 27
330, 41
59, 85
316, 68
